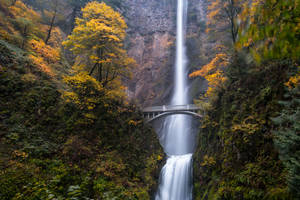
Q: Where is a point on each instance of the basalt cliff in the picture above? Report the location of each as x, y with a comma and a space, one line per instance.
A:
151, 42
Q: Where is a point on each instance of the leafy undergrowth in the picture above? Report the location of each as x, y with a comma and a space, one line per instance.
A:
52, 148
64, 136
236, 157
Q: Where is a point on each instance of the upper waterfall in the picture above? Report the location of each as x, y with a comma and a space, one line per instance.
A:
179, 96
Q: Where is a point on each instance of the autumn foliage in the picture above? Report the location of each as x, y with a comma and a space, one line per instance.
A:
98, 38
67, 133
249, 139
270, 29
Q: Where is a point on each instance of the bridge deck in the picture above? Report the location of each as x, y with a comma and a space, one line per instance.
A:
152, 113
171, 108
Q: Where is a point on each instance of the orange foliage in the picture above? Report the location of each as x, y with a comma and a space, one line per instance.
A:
221, 60
56, 36
19, 22
213, 71
44, 56
215, 12
41, 64
49, 54
215, 81
294, 80
21, 10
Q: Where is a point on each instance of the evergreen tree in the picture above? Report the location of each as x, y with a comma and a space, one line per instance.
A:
287, 138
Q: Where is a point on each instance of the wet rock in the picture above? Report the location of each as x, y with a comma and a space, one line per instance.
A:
151, 42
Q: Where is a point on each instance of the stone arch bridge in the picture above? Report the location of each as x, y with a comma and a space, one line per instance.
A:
155, 112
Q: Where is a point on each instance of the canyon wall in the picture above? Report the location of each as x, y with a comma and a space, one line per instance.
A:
151, 39
151, 42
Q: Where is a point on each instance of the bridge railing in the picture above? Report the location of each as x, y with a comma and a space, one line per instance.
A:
172, 108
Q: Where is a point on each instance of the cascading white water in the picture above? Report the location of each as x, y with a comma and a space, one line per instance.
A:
176, 138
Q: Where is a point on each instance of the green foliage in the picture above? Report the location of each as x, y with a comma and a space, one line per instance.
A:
287, 138
61, 137
69, 144
271, 29
236, 157
245, 151
19, 23
11, 56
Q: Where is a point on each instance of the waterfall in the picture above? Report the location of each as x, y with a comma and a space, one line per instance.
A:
177, 138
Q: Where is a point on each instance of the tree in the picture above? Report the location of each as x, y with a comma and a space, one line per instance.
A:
78, 4
213, 72
222, 18
54, 11
76, 7
87, 94
270, 29
287, 137
25, 26
224, 13
98, 39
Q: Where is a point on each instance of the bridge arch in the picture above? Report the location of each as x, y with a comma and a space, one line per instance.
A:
174, 113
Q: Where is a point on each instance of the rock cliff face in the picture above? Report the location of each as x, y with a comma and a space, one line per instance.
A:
200, 46
151, 41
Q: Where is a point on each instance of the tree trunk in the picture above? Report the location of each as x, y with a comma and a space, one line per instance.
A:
51, 27
73, 17
24, 36
100, 72
92, 70
233, 34
100, 53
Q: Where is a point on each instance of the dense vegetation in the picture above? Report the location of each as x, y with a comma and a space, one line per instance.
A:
64, 132
249, 143
67, 130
